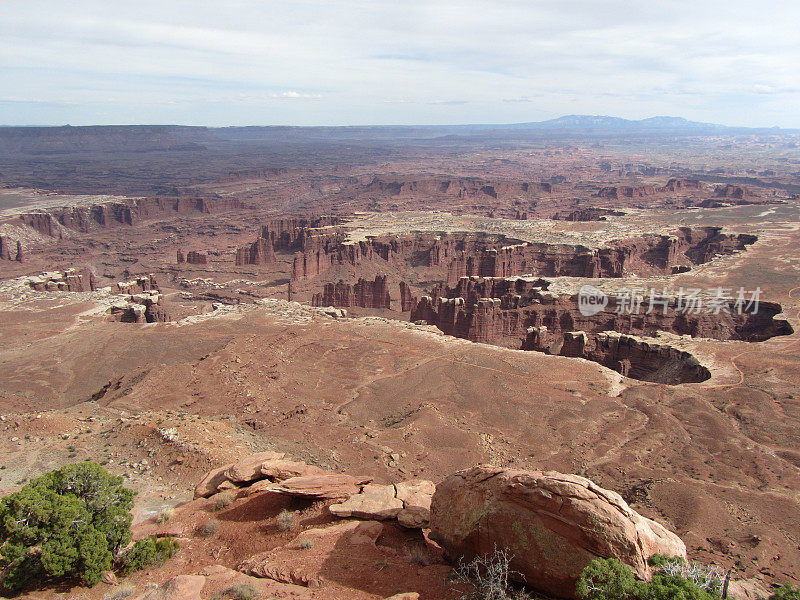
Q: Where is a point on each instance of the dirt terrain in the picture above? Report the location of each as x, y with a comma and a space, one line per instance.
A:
376, 307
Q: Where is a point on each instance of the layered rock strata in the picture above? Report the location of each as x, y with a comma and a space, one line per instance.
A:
119, 213
521, 313
366, 294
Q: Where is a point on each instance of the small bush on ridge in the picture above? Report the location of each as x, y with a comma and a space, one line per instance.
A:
148, 551
674, 579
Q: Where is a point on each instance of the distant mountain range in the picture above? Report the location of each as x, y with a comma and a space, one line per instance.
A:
144, 138
592, 122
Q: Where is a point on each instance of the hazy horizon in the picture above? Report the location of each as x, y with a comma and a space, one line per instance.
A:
377, 125
311, 63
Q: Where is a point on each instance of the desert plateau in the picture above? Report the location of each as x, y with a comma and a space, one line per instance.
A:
298, 346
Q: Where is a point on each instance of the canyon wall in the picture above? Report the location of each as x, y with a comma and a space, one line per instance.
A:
365, 294
260, 252
118, 213
587, 214
466, 255
627, 191
522, 313
462, 187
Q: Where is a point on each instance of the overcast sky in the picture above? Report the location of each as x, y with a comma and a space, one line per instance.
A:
261, 62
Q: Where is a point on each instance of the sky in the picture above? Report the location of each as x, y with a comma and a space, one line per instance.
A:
345, 62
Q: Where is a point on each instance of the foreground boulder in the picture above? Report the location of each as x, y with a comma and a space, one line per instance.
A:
553, 524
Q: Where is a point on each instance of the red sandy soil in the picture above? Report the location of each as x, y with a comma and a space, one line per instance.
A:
717, 461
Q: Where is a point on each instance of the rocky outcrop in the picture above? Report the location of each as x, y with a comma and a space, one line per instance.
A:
409, 502
259, 252
289, 234
328, 485
646, 359
552, 524
5, 248
194, 257
366, 294
251, 465
62, 281
11, 249
586, 214
270, 472
127, 212
732, 191
679, 185
180, 256
406, 298
375, 501
462, 188
627, 191
457, 255
143, 283
416, 495
144, 307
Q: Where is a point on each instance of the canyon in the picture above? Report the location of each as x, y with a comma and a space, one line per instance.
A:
402, 305
522, 313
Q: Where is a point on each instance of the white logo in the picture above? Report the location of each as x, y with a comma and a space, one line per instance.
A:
591, 300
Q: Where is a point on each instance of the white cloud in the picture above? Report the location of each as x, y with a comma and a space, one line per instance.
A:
411, 62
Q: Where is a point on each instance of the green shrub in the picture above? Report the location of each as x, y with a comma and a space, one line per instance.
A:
148, 551
786, 592
67, 523
608, 579
673, 579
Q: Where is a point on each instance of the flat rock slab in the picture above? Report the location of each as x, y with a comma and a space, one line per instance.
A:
374, 502
329, 486
282, 469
